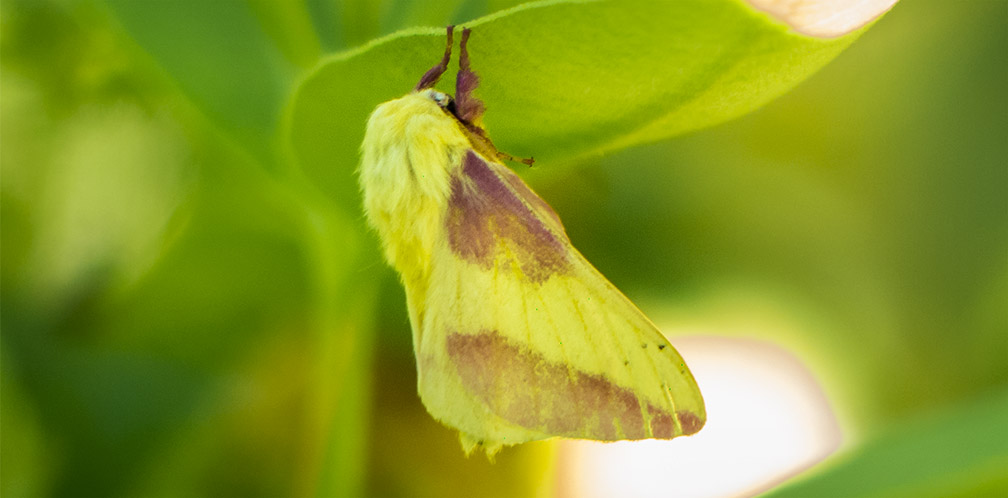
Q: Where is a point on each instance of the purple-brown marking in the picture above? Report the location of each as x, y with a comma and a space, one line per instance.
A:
539, 205
434, 74
490, 217
662, 425
522, 387
690, 422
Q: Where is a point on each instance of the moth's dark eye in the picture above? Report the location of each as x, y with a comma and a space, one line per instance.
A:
443, 100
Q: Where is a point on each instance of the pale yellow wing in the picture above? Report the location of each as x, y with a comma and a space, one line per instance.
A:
522, 339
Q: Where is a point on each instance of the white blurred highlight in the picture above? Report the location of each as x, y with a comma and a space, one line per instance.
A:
767, 419
825, 18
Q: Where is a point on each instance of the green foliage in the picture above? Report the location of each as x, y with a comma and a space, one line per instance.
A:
238, 76
559, 85
191, 305
961, 451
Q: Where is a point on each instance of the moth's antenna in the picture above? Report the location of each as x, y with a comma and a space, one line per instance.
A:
434, 74
467, 107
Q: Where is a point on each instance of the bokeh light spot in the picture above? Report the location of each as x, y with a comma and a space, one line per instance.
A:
767, 420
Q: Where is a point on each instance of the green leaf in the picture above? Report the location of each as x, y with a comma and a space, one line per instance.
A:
562, 80
349, 23
222, 56
959, 452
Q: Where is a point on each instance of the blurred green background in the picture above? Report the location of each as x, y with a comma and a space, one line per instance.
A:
183, 313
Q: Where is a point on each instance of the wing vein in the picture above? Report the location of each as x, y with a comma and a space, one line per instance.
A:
654, 367
571, 377
612, 333
650, 358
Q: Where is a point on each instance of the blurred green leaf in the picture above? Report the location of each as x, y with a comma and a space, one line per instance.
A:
126, 371
26, 464
289, 24
350, 23
566, 79
961, 451
221, 55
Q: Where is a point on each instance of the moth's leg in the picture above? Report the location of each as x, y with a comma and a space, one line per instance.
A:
509, 157
434, 74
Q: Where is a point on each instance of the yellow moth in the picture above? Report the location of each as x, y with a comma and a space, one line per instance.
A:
517, 337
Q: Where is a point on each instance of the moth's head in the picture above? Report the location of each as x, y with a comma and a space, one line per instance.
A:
464, 107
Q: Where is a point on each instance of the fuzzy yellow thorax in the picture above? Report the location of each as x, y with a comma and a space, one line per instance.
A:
409, 148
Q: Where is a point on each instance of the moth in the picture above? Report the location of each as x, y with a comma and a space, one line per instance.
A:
517, 337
